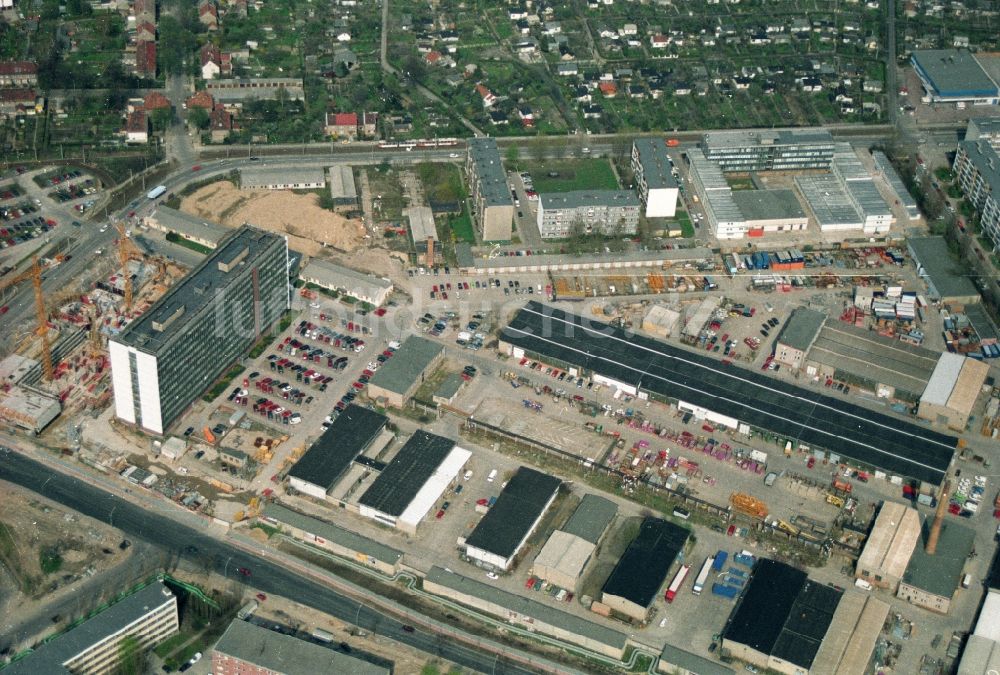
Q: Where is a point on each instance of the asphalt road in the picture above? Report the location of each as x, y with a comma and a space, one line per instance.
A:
226, 560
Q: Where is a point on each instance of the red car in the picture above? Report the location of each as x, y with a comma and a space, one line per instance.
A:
359, 386
811, 463
196, 167
243, 571
440, 514
261, 597
380, 311
530, 583
4, 309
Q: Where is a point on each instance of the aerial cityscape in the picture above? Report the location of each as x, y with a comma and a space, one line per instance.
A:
604, 336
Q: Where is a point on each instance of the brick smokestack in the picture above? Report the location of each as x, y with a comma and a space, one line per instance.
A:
935, 534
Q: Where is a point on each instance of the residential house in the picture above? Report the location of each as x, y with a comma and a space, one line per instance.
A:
659, 41
202, 99
567, 69
211, 62
369, 124
526, 115
20, 101
155, 101
221, 123
489, 99
498, 118
608, 89
145, 30
342, 126
137, 127
18, 74
592, 112
432, 57
343, 36
145, 59
208, 14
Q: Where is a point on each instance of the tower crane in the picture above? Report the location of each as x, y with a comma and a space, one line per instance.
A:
127, 251
35, 274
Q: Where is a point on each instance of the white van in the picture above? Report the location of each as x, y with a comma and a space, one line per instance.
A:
492, 477
862, 584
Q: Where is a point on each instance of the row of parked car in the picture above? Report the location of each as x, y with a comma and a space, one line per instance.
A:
68, 193
275, 413
10, 192
59, 178
25, 208
13, 234
311, 331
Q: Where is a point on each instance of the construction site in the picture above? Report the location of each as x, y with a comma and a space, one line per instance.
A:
60, 364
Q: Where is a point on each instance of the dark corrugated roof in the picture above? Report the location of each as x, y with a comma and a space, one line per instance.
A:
402, 479
643, 568
327, 459
591, 518
508, 522
783, 613
807, 416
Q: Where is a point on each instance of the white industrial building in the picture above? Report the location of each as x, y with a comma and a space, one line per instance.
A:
267, 178
952, 390
406, 490
334, 277
563, 559
654, 177
724, 217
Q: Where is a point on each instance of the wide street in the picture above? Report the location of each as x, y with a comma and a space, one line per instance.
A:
211, 553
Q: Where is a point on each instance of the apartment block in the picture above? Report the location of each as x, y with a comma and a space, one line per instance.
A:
492, 204
610, 212
977, 166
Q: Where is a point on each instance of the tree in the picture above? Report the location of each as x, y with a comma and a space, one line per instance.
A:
512, 156
198, 117
161, 118
132, 658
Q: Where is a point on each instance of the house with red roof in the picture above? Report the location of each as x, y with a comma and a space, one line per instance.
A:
208, 14
211, 62
18, 74
202, 99
137, 127
221, 123
21, 101
609, 89
369, 124
155, 101
342, 125
145, 59
488, 98
145, 30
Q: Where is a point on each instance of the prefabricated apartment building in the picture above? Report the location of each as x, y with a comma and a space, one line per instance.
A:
168, 356
727, 395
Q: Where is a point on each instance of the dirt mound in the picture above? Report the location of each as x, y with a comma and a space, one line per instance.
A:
308, 226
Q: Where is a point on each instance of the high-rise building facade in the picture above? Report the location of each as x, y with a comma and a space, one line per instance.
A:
167, 357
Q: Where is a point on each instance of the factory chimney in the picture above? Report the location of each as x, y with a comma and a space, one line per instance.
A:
935, 533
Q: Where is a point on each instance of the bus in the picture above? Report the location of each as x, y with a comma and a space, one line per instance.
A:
675, 585
156, 192
706, 568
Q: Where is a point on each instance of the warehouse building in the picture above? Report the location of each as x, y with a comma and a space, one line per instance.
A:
889, 546
932, 577
953, 76
562, 560
609, 212
147, 616
249, 649
889, 368
351, 434
723, 215
406, 490
779, 150
676, 661
946, 281
849, 643
167, 357
952, 391
331, 276
400, 377
338, 540
529, 614
654, 177
726, 395
982, 648
859, 185
770, 211
28, 408
423, 233
829, 203
448, 389
891, 177
343, 189
192, 228
797, 336
636, 579
661, 321
282, 178
780, 619
977, 166
503, 531
492, 204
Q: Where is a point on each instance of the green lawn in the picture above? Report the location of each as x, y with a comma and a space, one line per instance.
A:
461, 226
687, 229
187, 243
565, 175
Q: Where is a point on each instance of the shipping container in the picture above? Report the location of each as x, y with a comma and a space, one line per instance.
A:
725, 591
720, 560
